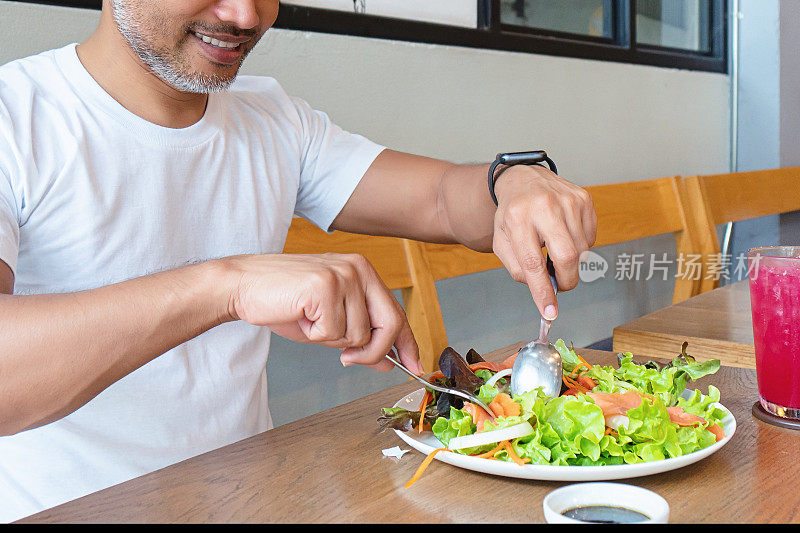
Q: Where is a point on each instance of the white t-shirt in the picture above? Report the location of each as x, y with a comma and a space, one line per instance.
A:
91, 194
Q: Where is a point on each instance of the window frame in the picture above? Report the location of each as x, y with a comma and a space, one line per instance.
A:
492, 35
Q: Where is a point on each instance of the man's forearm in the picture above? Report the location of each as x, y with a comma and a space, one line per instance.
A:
59, 351
421, 198
465, 208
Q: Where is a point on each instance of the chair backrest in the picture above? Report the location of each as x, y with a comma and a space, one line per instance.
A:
625, 212
721, 198
400, 263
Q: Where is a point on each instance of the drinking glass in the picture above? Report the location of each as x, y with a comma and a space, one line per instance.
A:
775, 303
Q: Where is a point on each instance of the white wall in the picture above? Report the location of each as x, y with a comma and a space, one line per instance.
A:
602, 122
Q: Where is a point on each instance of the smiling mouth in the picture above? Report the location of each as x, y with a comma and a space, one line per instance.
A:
224, 45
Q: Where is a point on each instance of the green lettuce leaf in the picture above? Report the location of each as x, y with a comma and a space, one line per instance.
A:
569, 359
487, 393
458, 425
650, 436
568, 426
704, 406
484, 374
667, 383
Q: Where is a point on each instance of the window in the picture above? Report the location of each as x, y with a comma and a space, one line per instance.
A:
453, 12
689, 34
594, 18
681, 24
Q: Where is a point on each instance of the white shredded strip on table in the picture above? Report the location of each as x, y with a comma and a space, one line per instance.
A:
395, 452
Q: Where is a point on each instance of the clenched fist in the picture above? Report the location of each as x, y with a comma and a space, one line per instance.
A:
334, 300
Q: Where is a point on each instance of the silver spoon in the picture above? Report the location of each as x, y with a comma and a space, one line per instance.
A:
456, 392
538, 363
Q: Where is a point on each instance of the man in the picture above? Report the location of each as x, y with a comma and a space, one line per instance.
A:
144, 201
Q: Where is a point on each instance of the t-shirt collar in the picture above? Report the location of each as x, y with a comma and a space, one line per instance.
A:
90, 92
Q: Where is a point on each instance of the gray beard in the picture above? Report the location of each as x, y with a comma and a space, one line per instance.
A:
170, 72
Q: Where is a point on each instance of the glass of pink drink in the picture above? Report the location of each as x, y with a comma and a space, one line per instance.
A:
775, 303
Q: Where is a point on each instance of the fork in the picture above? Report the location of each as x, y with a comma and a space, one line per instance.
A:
455, 392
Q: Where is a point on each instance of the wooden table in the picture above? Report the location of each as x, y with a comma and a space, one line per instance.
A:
717, 324
329, 468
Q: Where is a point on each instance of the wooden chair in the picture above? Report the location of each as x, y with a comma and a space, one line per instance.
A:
625, 212
400, 263
721, 198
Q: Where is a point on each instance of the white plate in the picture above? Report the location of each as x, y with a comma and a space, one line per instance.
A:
425, 442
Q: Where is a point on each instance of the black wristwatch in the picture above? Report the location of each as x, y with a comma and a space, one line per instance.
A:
517, 158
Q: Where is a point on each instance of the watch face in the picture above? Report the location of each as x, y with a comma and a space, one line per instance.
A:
536, 157
523, 158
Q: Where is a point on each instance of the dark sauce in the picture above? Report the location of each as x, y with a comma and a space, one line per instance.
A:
605, 514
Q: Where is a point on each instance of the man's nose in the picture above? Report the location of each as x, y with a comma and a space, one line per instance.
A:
242, 13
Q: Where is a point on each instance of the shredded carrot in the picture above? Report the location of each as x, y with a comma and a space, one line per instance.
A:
579, 365
610, 431
422, 407
424, 401
436, 375
423, 466
572, 384
490, 454
511, 453
582, 360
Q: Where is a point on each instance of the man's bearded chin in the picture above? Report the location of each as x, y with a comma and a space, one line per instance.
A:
167, 65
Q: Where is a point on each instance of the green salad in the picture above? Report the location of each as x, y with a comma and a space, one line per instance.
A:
603, 416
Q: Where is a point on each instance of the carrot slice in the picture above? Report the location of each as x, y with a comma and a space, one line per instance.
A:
511, 453
423, 466
490, 454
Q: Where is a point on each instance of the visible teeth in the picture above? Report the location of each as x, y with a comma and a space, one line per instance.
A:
216, 42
